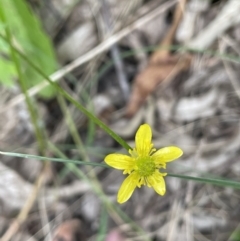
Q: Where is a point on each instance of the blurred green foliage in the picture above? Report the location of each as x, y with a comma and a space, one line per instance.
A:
29, 37
235, 236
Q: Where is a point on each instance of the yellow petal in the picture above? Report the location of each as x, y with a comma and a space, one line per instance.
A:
127, 187
158, 183
167, 154
143, 140
119, 161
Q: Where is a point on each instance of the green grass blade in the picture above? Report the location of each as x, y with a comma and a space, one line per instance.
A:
103, 225
73, 101
28, 34
206, 180
53, 159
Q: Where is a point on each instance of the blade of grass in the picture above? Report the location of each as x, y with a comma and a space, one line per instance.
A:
206, 180
76, 137
22, 82
73, 101
103, 225
212, 181
23, 214
63, 160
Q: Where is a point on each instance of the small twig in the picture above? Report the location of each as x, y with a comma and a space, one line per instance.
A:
174, 219
44, 217
228, 17
115, 53
168, 39
232, 76
14, 227
189, 195
140, 55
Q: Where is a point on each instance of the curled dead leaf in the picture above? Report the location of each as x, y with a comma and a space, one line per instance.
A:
70, 230
159, 70
162, 66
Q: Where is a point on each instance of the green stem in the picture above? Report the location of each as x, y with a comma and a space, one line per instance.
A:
213, 181
72, 100
23, 87
75, 135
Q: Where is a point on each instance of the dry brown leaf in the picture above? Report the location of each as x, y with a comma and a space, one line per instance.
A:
156, 72
70, 230
162, 66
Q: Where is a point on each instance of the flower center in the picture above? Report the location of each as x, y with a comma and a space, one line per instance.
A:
145, 166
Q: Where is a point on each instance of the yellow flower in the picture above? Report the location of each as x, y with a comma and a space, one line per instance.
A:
143, 164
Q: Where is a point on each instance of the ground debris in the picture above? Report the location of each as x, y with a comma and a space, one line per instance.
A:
190, 99
70, 230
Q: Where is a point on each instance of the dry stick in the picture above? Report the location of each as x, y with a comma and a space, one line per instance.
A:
174, 219
168, 39
44, 217
189, 195
14, 227
92, 53
229, 16
115, 53
232, 76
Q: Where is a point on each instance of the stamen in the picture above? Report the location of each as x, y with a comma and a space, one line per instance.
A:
145, 166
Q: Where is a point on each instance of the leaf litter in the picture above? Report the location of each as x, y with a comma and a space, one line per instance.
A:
190, 100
